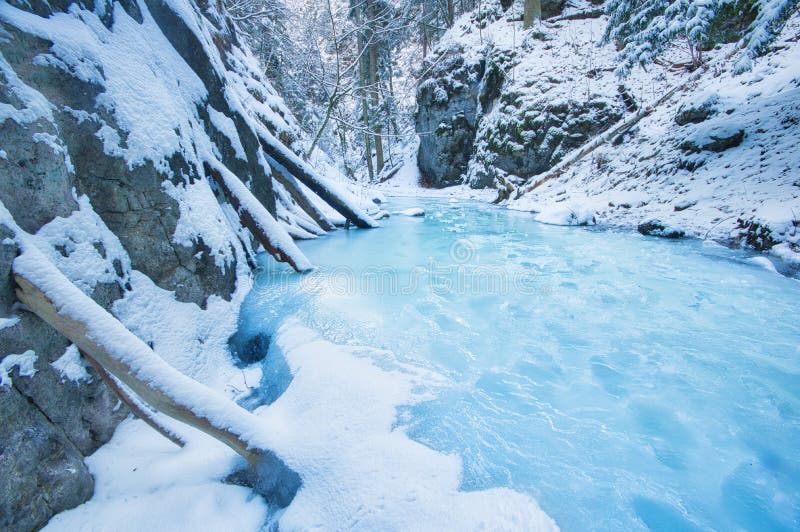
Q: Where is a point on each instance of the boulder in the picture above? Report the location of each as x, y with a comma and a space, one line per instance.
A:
697, 109
658, 228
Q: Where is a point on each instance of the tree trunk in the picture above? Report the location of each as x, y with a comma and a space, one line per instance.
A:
532, 13
363, 82
292, 187
134, 404
52, 297
300, 170
258, 221
374, 92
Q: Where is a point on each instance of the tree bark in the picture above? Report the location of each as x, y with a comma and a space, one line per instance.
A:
532, 13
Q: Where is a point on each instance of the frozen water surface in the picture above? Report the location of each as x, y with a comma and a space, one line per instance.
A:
625, 382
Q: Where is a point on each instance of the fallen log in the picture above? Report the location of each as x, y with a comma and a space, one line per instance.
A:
52, 297
138, 409
255, 217
283, 177
303, 173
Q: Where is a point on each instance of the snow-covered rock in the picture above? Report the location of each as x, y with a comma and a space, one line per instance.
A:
412, 211
566, 215
659, 228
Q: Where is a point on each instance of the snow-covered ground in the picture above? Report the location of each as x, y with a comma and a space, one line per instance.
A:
652, 174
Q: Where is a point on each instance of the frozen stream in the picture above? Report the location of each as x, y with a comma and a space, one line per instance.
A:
624, 382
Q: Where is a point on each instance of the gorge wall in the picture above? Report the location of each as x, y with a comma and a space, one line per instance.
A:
108, 112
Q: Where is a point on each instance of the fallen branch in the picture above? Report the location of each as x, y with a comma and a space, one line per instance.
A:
139, 409
52, 297
255, 217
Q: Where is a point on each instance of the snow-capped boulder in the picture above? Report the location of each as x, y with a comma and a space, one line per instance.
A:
658, 228
714, 136
414, 212
698, 109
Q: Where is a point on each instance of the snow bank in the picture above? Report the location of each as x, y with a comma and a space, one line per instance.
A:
335, 426
412, 211
144, 482
559, 214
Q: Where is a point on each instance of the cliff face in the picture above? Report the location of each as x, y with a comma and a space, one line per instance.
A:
500, 105
107, 112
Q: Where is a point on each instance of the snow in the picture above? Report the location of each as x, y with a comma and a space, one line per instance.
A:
83, 248
228, 128
144, 482
411, 211
334, 425
8, 322
24, 364
71, 366
58, 148
765, 263
559, 214
406, 182
201, 217
36, 105
141, 72
648, 176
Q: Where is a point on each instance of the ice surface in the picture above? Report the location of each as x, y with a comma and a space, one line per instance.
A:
622, 381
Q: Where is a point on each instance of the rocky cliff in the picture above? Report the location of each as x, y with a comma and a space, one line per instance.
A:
108, 112
498, 104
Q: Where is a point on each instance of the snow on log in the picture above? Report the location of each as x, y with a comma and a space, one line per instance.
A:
136, 406
300, 170
282, 176
52, 297
255, 217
